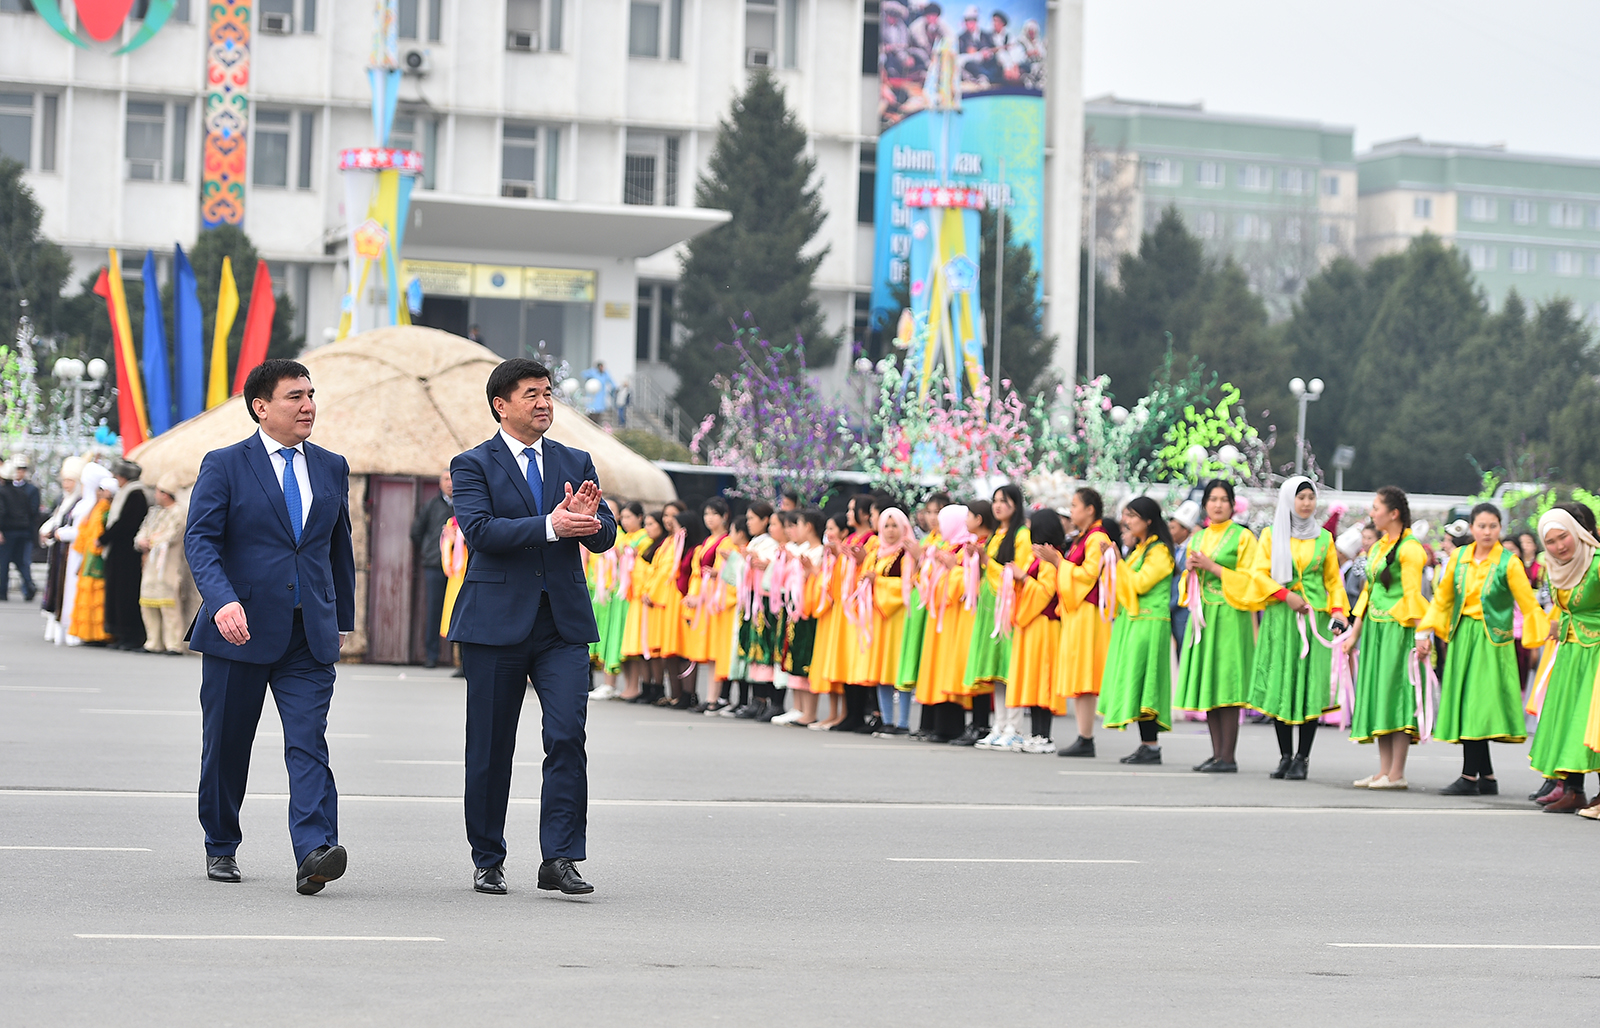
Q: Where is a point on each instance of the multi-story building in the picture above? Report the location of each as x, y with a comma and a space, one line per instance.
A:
1523, 221
1278, 196
562, 143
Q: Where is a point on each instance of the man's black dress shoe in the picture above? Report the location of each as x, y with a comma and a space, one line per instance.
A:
491, 880
223, 869
562, 873
321, 866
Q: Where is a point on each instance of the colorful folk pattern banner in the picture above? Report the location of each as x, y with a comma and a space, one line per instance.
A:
227, 113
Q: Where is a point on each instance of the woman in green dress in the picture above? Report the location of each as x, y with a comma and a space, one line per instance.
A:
1296, 574
1137, 684
1480, 697
1563, 745
1219, 646
989, 652
1386, 616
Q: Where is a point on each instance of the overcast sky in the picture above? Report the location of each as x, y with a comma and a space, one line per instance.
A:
1473, 71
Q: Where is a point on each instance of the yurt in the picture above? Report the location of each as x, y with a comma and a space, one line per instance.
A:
398, 403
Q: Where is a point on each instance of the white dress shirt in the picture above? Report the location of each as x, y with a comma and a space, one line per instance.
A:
302, 474
517, 446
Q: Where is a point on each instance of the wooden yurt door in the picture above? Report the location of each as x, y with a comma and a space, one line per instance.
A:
391, 589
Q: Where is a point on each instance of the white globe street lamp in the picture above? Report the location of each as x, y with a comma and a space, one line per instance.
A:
1304, 393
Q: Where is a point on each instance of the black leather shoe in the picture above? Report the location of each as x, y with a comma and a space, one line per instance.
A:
1145, 754
1283, 766
1297, 768
562, 873
970, 737
1462, 786
323, 865
223, 869
431, 664
1205, 765
872, 724
1080, 748
1544, 790
1218, 767
491, 880
750, 711
1488, 786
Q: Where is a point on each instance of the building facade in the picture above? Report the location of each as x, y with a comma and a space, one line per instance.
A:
562, 142
1278, 196
1523, 221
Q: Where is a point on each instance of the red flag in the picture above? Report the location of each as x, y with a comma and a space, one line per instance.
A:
127, 402
257, 327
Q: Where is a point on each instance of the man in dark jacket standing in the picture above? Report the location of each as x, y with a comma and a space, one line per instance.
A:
425, 530
19, 519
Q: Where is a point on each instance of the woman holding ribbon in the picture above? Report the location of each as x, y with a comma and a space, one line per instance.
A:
1296, 575
708, 610
948, 635
989, 649
1137, 684
891, 575
1480, 697
648, 598
1031, 682
1219, 645
1565, 743
1086, 612
1391, 696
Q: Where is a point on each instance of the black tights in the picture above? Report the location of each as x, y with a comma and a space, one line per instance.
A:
1308, 735
1148, 732
1475, 759
1223, 724
1041, 718
982, 710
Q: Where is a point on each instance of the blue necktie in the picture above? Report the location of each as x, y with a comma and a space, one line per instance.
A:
535, 480
291, 498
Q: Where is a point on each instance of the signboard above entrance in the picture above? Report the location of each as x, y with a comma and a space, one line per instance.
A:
448, 278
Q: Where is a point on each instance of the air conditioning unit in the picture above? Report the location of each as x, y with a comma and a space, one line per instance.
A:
758, 57
520, 190
417, 62
522, 39
277, 24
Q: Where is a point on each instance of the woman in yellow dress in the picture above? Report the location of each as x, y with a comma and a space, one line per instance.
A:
995, 723
1085, 619
963, 682
891, 575
648, 620
707, 617
825, 674
453, 558
631, 538
89, 608
947, 635
855, 588
1035, 648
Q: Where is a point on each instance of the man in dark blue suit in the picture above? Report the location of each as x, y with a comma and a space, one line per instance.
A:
525, 503
268, 542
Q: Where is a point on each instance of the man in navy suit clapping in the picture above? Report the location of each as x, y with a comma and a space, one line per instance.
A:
525, 503
268, 542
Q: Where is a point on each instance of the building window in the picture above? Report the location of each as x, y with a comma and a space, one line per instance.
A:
1521, 259
1566, 263
282, 153
1295, 181
1209, 174
867, 188
278, 17
652, 323
1594, 265
1291, 230
650, 170
418, 132
771, 31
1205, 224
1482, 258
141, 9
1522, 212
655, 29
1255, 177
1163, 171
870, 39
1330, 233
409, 15
1330, 185
157, 140
1482, 208
1252, 226
522, 172
16, 127
1566, 215
1422, 206
531, 24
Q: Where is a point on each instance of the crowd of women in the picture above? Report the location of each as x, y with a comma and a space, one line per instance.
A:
991, 622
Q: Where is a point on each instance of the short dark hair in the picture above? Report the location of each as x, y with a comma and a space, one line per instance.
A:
760, 508
1483, 508
504, 378
263, 381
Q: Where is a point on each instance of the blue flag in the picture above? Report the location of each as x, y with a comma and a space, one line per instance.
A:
157, 381
188, 339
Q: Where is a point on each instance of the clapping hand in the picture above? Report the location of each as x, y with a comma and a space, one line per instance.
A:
1048, 554
574, 517
1202, 560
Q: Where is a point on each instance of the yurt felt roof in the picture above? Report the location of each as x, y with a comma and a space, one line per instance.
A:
402, 401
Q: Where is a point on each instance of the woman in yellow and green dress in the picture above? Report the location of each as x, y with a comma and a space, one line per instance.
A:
453, 558
1386, 617
1085, 631
707, 615
631, 539
1480, 695
948, 635
1296, 575
89, 607
989, 647
1565, 743
1137, 684
891, 575
1219, 646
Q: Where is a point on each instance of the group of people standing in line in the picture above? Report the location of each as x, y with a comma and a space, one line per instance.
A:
995, 621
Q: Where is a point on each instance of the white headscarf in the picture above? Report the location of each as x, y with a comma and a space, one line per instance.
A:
1567, 574
1287, 525
89, 479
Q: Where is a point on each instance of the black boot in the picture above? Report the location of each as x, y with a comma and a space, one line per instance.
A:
1145, 754
1283, 766
1081, 748
1462, 786
970, 737
1297, 769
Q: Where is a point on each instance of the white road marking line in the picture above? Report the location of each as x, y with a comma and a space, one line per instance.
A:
708, 723
402, 678
459, 763
996, 860
43, 688
885, 747
271, 938
1138, 774
84, 849
1450, 945
328, 735
111, 710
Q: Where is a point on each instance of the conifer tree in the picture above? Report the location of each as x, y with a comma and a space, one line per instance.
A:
32, 267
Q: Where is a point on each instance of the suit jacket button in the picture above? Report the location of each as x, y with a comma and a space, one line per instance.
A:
538, 572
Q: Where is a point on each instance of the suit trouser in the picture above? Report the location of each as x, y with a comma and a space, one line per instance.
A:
497, 683
231, 695
434, 581
18, 550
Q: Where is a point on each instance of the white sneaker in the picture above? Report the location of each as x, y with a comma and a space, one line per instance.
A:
988, 741
1039, 744
1011, 742
605, 692
787, 719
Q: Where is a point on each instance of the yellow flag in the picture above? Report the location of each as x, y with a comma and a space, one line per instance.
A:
227, 310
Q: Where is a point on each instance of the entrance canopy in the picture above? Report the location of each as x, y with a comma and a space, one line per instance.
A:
590, 230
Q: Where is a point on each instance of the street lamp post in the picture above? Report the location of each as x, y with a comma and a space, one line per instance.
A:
82, 378
1305, 393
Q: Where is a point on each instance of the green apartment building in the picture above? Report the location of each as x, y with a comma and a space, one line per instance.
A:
1278, 196
1524, 221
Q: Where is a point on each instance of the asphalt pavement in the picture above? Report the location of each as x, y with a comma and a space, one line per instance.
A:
752, 874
